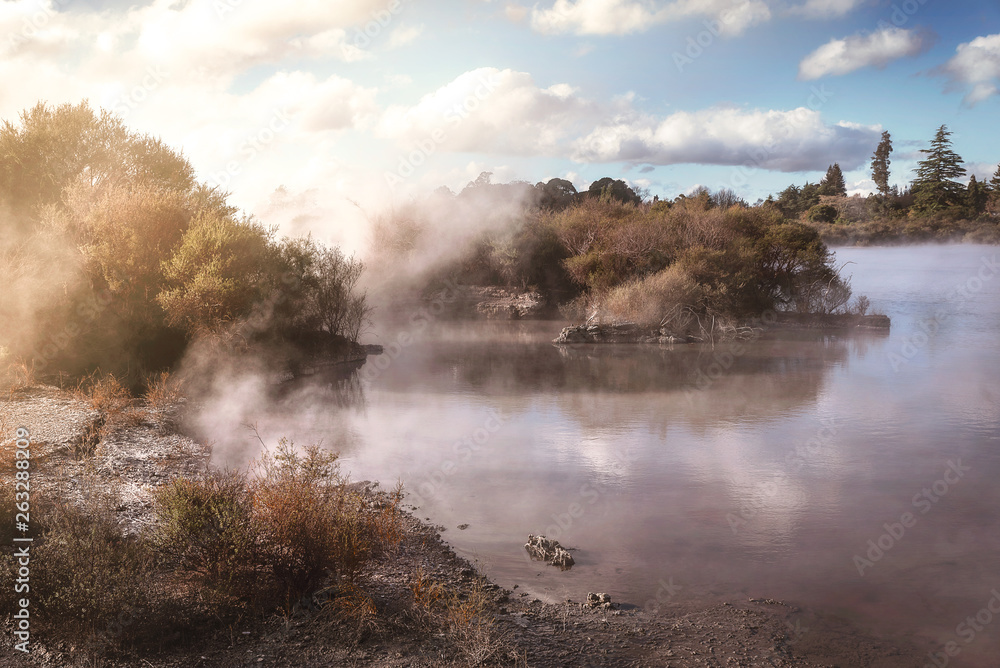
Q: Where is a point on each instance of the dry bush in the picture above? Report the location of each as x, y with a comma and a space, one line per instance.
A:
106, 394
650, 300
473, 627
279, 534
85, 572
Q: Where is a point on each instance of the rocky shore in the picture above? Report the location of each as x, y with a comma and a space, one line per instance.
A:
513, 627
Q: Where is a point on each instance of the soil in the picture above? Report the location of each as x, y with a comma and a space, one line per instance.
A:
145, 452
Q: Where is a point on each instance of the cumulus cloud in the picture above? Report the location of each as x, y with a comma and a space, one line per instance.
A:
506, 112
622, 17
787, 141
976, 67
492, 111
877, 49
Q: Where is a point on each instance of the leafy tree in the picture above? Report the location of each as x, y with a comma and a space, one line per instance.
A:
822, 213
616, 189
833, 183
880, 164
55, 146
935, 186
993, 197
557, 194
222, 268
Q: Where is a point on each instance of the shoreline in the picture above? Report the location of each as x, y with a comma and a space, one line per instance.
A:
146, 455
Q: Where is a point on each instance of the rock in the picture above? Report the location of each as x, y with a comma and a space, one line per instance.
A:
543, 549
599, 601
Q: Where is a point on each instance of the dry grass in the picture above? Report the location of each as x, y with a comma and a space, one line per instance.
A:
473, 628
650, 300
107, 395
19, 375
162, 391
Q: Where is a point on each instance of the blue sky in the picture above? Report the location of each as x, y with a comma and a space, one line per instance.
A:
303, 110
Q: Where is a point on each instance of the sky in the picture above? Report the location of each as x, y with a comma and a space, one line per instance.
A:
315, 114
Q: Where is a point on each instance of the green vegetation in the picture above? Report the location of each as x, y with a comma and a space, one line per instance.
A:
116, 258
936, 206
680, 264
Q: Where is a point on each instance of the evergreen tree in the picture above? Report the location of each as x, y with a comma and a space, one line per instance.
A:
833, 183
935, 186
880, 164
993, 185
976, 196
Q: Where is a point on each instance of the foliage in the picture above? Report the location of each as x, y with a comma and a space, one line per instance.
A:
116, 258
935, 185
274, 536
222, 268
833, 182
880, 164
822, 213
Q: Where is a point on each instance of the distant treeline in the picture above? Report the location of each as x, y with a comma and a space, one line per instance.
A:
114, 256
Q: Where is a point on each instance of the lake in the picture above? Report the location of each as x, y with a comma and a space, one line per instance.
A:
701, 473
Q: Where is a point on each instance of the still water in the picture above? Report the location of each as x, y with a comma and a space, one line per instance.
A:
701, 474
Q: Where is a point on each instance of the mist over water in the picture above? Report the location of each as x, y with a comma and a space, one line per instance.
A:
757, 470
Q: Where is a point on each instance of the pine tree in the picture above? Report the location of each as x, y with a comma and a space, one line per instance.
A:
935, 186
880, 164
833, 183
994, 184
976, 196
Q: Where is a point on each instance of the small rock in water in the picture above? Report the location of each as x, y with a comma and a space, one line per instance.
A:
551, 551
463, 527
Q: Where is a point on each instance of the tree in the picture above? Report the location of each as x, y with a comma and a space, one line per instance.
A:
725, 198
993, 196
880, 164
557, 194
833, 183
977, 196
615, 189
54, 147
936, 186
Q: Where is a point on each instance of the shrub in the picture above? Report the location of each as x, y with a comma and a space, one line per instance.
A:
85, 572
207, 525
278, 534
648, 301
822, 213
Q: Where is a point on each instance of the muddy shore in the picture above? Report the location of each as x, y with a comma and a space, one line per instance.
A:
523, 631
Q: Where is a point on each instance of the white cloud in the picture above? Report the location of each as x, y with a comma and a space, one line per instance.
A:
622, 17
976, 64
877, 49
489, 110
404, 35
823, 9
506, 112
788, 141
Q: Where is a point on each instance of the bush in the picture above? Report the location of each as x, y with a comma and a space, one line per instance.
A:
85, 573
277, 535
648, 301
822, 213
